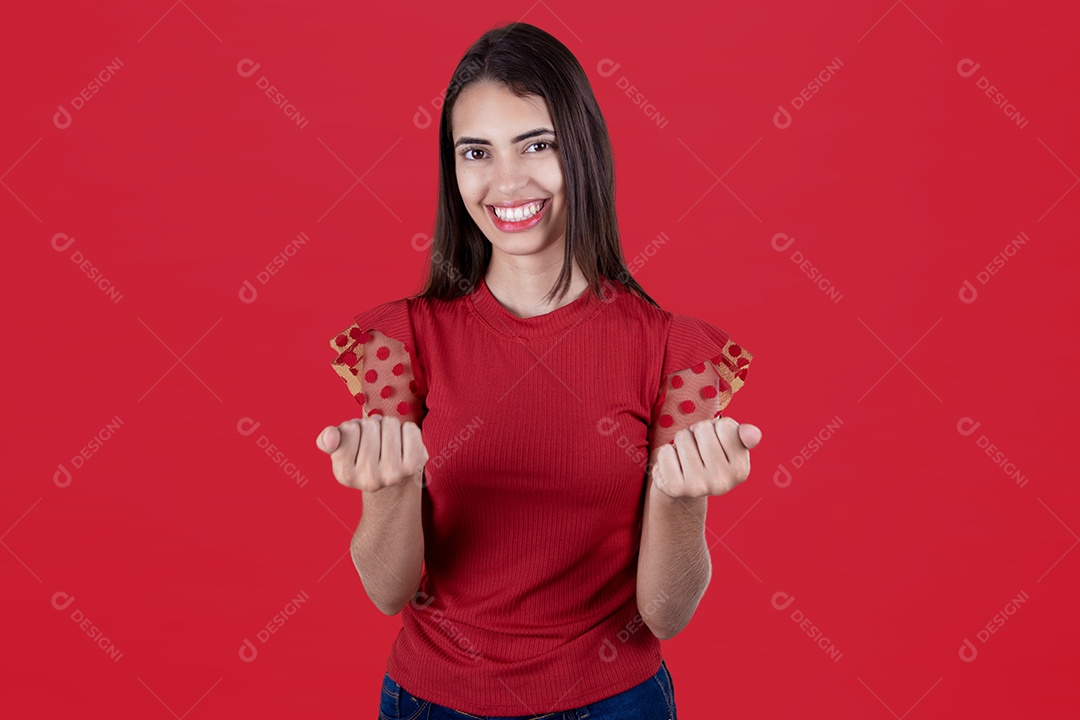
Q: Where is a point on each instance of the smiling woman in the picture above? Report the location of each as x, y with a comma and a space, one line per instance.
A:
517, 184
521, 126
536, 558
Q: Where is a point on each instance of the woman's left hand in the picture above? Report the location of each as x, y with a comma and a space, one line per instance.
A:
709, 458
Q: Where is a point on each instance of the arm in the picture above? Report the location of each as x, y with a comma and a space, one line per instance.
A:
711, 457
674, 566
381, 453
388, 546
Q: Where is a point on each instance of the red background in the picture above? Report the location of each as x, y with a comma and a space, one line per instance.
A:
899, 537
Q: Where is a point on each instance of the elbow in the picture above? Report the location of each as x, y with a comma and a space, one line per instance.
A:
389, 600
389, 610
658, 618
388, 606
662, 632
417, 598
393, 605
667, 622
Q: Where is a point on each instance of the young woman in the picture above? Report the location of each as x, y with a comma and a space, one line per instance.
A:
545, 530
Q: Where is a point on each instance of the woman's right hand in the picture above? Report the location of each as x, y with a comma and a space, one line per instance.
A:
375, 452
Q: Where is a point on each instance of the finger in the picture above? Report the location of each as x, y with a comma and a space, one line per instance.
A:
413, 449
708, 445
727, 429
689, 455
390, 458
414, 453
343, 458
666, 470
370, 442
750, 435
328, 439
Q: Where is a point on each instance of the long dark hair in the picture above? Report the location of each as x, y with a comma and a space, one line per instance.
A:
528, 60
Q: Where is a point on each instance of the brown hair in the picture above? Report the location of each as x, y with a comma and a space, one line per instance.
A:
528, 60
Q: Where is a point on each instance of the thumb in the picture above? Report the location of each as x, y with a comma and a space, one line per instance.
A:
328, 439
749, 434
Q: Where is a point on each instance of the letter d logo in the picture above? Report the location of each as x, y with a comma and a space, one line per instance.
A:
62, 118
61, 600
248, 651
248, 293
782, 600
421, 118
782, 118
968, 293
967, 67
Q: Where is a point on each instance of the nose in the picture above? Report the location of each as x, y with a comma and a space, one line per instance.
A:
511, 174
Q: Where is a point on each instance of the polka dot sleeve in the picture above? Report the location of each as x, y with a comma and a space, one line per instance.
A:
703, 369
376, 358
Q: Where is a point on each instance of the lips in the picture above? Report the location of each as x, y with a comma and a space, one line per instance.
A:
520, 225
516, 203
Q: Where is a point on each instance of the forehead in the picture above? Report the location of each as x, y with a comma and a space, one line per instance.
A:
489, 110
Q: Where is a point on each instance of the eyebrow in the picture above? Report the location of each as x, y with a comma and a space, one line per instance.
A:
519, 138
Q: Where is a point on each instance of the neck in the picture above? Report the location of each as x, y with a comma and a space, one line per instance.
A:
520, 284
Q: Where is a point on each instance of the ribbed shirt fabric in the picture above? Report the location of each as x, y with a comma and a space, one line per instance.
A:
538, 431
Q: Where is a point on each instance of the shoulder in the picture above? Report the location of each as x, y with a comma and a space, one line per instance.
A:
684, 335
375, 355
703, 368
692, 341
633, 306
392, 318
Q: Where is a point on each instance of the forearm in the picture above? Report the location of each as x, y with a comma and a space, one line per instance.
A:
388, 546
674, 567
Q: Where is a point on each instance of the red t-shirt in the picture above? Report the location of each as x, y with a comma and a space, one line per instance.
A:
538, 431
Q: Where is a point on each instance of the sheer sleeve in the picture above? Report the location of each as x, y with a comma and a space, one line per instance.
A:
376, 358
703, 369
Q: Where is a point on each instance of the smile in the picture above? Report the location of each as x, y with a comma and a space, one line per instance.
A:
518, 218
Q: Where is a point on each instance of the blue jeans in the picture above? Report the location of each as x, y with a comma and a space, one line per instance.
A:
653, 699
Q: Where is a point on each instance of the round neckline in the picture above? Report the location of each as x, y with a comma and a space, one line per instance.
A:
506, 323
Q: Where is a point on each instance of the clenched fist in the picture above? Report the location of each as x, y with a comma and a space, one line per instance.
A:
710, 457
375, 452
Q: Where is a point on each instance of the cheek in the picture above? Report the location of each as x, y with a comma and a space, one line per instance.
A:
469, 187
552, 179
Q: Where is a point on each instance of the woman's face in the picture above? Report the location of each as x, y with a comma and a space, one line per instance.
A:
506, 155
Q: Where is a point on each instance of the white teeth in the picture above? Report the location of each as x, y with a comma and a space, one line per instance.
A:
519, 213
